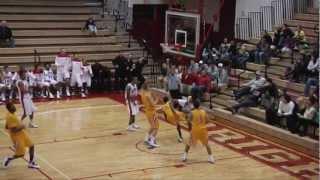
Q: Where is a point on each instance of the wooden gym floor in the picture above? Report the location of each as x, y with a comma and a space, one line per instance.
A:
87, 139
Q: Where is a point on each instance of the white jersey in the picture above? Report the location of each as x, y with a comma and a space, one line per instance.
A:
38, 77
25, 85
48, 75
7, 78
26, 98
133, 91
63, 63
31, 78
87, 74
77, 67
132, 103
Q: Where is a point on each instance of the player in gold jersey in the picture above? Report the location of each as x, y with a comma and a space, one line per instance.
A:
149, 105
198, 119
19, 137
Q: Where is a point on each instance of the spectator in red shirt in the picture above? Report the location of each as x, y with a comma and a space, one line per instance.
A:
202, 84
189, 78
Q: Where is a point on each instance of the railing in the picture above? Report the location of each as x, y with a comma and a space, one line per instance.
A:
269, 16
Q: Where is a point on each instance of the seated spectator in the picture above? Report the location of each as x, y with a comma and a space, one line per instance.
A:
262, 52
252, 99
313, 75
286, 42
6, 37
276, 38
300, 38
189, 78
232, 52
202, 85
242, 57
224, 49
287, 112
304, 118
250, 86
297, 73
266, 36
91, 26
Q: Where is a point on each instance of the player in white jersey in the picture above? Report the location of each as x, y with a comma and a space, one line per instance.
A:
131, 97
63, 63
86, 76
31, 79
76, 74
48, 82
25, 98
8, 83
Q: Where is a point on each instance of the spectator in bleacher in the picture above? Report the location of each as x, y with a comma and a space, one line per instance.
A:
298, 72
262, 52
6, 37
276, 38
91, 26
252, 99
242, 57
221, 78
287, 112
304, 118
193, 67
232, 53
202, 85
286, 39
164, 70
224, 49
300, 38
250, 86
174, 84
266, 36
313, 74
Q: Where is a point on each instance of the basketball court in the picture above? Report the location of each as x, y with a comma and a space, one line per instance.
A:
87, 139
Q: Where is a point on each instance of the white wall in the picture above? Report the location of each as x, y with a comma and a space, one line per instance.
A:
245, 6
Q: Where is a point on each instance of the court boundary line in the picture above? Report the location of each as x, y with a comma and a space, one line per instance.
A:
43, 160
110, 174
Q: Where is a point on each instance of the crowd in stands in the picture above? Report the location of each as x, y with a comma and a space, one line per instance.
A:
211, 74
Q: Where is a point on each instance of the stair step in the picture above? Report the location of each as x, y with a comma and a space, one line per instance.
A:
50, 25
51, 17
49, 10
49, 3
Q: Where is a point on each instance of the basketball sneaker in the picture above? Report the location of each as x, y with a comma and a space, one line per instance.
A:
180, 140
131, 128
68, 93
211, 159
5, 162
51, 95
32, 125
33, 165
184, 157
135, 126
58, 95
83, 95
